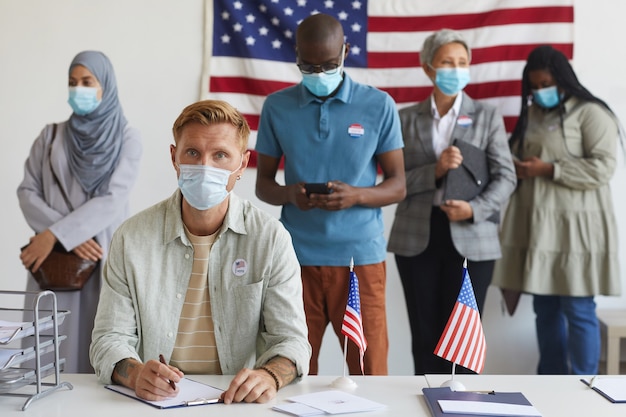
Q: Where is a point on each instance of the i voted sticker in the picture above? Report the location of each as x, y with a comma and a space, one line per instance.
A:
464, 121
240, 267
355, 130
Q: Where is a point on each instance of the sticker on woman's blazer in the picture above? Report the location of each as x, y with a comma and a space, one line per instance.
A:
240, 267
464, 121
355, 130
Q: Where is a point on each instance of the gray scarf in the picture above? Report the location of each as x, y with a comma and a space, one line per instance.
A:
95, 140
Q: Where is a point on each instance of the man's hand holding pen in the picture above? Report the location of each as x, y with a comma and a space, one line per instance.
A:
153, 380
157, 381
162, 360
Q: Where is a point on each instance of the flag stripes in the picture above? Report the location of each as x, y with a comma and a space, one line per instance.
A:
463, 341
352, 326
250, 46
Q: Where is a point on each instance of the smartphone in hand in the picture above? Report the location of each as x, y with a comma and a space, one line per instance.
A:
317, 188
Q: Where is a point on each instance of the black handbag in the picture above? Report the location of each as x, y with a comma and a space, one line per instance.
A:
63, 270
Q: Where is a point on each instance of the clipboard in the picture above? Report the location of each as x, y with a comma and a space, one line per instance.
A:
611, 388
434, 395
191, 393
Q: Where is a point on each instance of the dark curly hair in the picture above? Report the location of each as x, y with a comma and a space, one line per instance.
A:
547, 58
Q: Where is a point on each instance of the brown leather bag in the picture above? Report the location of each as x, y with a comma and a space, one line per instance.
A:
63, 270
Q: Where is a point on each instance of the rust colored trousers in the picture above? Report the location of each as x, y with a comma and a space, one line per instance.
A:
325, 290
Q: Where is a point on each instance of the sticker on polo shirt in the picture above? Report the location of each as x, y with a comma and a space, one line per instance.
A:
355, 130
240, 267
464, 121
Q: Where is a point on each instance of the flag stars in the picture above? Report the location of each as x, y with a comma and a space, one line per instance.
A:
266, 28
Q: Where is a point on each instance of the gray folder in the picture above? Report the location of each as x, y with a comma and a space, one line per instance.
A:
470, 179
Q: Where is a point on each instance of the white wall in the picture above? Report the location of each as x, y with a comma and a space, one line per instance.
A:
156, 49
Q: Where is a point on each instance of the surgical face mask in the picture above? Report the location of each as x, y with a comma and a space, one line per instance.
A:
203, 186
83, 100
322, 84
452, 80
546, 97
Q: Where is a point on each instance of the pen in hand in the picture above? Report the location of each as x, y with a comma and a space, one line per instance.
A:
162, 360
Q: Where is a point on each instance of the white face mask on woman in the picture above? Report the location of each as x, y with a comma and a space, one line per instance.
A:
204, 186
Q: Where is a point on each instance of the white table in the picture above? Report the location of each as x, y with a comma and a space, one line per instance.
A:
552, 395
401, 394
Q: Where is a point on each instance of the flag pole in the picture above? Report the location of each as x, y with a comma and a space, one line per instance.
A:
453, 384
345, 354
344, 381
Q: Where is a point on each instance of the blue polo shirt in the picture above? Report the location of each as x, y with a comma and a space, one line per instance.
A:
336, 139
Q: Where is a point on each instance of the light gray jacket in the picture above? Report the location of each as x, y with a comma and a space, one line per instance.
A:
254, 283
478, 239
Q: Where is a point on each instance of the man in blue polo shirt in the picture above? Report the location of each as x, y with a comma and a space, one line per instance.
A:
333, 130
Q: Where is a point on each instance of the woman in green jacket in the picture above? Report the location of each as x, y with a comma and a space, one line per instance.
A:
559, 235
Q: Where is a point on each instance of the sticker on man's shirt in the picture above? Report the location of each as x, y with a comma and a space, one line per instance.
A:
464, 121
240, 267
355, 130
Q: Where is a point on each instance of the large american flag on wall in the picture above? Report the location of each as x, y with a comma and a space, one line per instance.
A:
250, 45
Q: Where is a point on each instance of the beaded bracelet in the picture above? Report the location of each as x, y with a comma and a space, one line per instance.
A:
273, 375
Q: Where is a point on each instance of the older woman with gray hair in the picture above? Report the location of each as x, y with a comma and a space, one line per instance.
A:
459, 173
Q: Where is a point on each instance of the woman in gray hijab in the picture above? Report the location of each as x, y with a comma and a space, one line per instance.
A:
75, 191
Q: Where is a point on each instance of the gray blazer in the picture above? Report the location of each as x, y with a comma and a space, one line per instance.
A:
475, 239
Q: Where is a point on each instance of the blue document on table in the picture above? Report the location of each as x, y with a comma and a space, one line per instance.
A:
190, 393
443, 402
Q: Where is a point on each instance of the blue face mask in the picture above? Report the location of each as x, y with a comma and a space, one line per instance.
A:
546, 97
83, 100
321, 84
203, 186
452, 80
